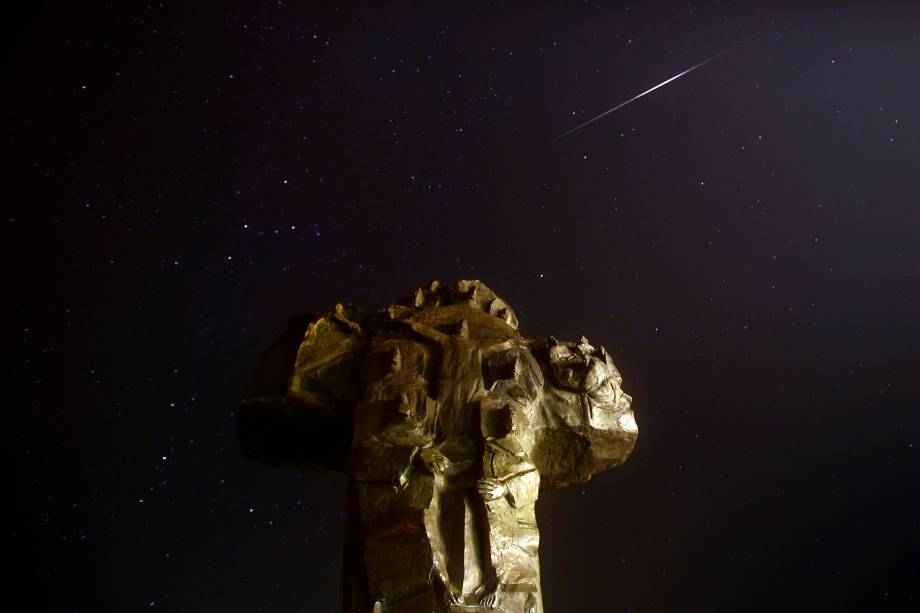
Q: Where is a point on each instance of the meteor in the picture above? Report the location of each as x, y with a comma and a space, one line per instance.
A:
634, 98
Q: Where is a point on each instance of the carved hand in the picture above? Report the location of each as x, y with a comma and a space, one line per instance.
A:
491, 489
435, 461
490, 599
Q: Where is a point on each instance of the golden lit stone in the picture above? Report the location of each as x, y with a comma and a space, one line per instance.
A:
448, 423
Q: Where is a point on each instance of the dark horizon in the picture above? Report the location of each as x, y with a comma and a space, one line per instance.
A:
742, 240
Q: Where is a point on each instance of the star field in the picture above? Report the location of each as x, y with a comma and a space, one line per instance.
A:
742, 240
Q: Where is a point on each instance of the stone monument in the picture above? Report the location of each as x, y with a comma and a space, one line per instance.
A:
447, 423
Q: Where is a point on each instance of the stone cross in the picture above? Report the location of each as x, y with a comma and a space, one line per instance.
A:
448, 423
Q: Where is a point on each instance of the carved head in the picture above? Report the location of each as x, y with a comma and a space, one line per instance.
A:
582, 369
589, 423
498, 422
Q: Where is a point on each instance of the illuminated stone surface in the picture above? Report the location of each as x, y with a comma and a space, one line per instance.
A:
447, 423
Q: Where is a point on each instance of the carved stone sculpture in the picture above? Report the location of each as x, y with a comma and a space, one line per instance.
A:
448, 423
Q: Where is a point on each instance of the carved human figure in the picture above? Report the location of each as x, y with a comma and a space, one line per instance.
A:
447, 423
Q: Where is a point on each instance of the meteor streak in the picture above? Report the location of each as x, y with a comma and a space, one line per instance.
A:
634, 98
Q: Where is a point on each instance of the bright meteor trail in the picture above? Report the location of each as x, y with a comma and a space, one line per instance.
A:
648, 91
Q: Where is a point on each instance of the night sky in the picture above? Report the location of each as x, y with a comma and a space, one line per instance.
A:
744, 241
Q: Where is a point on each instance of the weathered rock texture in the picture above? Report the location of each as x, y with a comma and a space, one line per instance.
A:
448, 423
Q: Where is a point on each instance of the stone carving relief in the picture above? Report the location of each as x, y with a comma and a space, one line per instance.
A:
448, 423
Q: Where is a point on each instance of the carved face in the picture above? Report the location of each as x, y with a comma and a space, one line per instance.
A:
589, 421
585, 370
